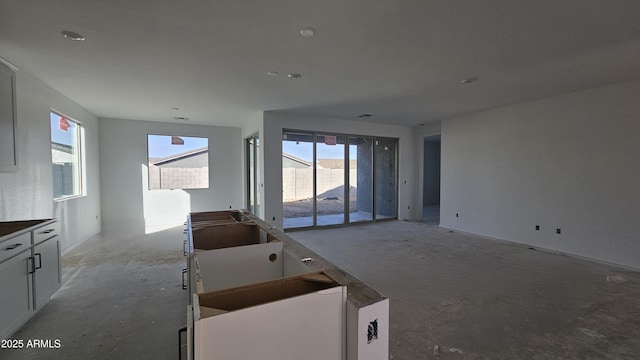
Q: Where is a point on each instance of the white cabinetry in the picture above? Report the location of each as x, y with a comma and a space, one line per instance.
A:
258, 294
47, 274
29, 270
304, 315
16, 301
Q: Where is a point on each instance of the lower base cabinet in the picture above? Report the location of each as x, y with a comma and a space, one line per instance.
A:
29, 270
262, 295
47, 277
16, 305
301, 317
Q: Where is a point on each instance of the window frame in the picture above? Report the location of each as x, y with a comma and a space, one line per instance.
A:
79, 175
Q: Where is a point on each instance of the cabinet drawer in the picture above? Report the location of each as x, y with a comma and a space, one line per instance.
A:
46, 232
15, 245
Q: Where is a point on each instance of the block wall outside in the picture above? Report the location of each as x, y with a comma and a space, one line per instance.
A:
297, 184
178, 178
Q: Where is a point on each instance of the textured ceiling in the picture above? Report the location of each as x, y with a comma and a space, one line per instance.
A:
401, 61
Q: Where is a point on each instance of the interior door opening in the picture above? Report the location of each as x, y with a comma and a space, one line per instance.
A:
431, 180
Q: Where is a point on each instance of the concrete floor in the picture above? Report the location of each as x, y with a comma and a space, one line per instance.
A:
471, 297
122, 298
474, 298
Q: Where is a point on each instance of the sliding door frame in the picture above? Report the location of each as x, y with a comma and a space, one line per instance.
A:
347, 184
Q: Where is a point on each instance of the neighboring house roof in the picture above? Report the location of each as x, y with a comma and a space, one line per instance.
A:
62, 154
178, 157
62, 147
297, 160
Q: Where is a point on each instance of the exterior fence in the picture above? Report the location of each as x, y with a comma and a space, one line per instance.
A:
297, 184
178, 178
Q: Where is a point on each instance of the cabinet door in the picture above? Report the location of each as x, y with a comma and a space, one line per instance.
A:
16, 298
47, 276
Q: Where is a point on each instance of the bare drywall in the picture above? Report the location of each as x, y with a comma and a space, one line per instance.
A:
129, 206
275, 122
569, 162
28, 192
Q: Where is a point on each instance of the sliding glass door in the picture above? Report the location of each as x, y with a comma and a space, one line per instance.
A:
360, 179
298, 180
385, 178
330, 179
253, 174
334, 179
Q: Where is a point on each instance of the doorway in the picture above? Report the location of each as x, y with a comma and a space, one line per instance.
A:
337, 179
253, 174
431, 180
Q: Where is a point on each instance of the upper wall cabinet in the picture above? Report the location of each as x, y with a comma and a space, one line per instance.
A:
8, 146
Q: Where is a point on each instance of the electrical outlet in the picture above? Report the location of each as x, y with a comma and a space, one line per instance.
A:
372, 331
274, 218
457, 215
537, 227
558, 231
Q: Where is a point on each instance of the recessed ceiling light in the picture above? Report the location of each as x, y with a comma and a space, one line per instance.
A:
308, 32
364, 115
175, 108
272, 73
294, 76
468, 80
180, 118
72, 35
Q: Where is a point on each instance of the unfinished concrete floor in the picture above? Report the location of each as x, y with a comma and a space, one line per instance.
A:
122, 298
473, 298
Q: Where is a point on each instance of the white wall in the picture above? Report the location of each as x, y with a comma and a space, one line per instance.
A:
274, 123
569, 162
127, 203
28, 193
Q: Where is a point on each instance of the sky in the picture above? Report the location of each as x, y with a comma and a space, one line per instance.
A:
160, 145
304, 150
58, 135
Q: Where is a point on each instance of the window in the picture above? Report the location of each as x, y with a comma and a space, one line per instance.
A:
66, 155
178, 162
333, 179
